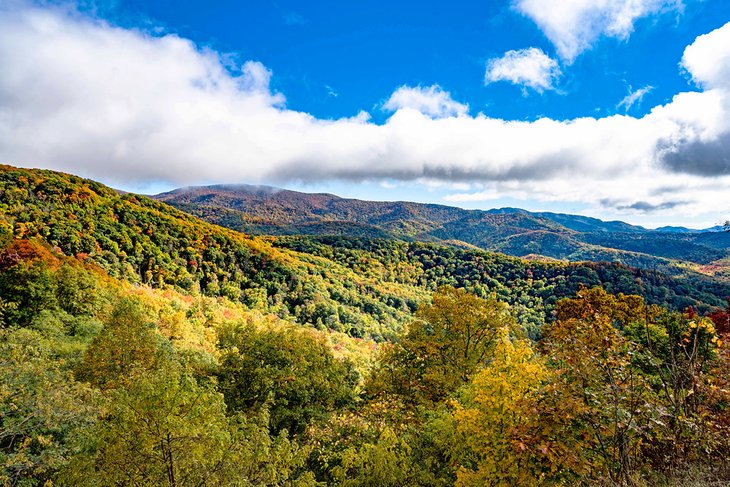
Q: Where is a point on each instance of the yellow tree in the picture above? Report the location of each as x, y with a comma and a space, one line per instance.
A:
494, 406
446, 344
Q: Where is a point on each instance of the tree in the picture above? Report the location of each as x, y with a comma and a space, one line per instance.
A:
289, 371
77, 290
442, 348
370, 446
127, 345
41, 408
721, 318
599, 403
166, 429
385, 462
675, 352
27, 289
497, 403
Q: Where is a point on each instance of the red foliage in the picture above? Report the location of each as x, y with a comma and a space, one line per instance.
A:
8, 259
721, 319
27, 250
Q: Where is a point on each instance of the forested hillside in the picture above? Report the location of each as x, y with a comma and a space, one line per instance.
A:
361, 287
104, 383
272, 211
142, 346
531, 287
144, 241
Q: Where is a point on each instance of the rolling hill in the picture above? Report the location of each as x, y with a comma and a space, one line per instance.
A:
361, 286
264, 210
119, 315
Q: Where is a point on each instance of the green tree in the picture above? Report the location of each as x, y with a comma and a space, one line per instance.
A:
676, 351
383, 462
27, 289
365, 447
288, 370
41, 408
166, 429
77, 290
127, 345
443, 347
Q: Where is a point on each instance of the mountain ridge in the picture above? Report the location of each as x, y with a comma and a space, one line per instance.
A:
513, 231
360, 286
264, 189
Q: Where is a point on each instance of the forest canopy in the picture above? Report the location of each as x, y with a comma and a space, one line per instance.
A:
140, 346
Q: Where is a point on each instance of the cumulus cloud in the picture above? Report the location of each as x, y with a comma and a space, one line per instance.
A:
573, 26
255, 78
432, 101
701, 144
126, 107
707, 59
701, 157
634, 97
530, 68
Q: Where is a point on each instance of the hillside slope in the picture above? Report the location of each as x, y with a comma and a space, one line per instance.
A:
359, 286
264, 210
144, 241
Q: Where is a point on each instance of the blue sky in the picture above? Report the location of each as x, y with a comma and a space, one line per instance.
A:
333, 58
594, 109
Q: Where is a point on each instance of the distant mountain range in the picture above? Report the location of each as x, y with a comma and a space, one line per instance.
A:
670, 229
266, 210
587, 224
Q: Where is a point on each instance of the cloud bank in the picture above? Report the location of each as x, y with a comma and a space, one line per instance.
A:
81, 95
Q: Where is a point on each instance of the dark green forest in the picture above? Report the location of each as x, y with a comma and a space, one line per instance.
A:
142, 346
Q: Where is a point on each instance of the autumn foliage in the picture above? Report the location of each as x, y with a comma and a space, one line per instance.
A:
139, 346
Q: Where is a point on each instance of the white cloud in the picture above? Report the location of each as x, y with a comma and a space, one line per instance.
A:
255, 77
127, 107
634, 97
707, 59
431, 100
530, 68
573, 26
